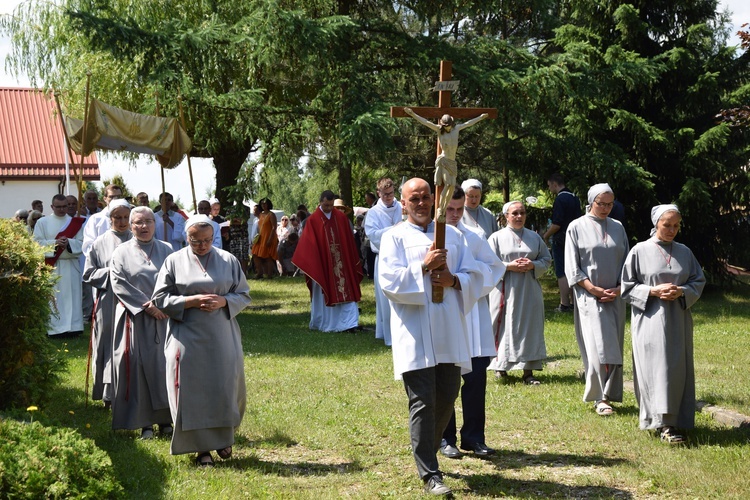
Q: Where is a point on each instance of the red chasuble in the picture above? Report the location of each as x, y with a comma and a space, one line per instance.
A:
69, 231
327, 255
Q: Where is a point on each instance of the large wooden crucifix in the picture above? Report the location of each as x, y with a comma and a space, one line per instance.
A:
445, 165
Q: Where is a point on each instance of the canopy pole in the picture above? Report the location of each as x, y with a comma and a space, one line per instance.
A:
80, 178
162, 198
83, 134
70, 149
190, 167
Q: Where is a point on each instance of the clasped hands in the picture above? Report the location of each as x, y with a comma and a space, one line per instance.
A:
666, 291
603, 294
208, 302
520, 265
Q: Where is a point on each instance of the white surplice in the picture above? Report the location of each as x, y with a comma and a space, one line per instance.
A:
479, 321
378, 220
66, 314
424, 333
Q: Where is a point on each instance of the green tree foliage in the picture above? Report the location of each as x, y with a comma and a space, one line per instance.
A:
29, 363
646, 81
624, 92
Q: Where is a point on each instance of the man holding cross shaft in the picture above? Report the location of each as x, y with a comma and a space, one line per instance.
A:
430, 340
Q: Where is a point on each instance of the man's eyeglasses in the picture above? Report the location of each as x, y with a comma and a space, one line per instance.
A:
143, 223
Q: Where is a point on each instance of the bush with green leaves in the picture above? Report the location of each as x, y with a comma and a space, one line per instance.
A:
52, 462
29, 363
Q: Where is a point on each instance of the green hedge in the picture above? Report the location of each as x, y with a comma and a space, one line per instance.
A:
29, 364
50, 462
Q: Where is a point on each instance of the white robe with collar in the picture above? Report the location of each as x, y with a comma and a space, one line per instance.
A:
479, 321
378, 220
425, 334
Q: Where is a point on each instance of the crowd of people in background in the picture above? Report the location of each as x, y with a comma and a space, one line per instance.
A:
135, 273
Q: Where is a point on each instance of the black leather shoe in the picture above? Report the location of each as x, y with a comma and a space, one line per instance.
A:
434, 486
450, 451
479, 449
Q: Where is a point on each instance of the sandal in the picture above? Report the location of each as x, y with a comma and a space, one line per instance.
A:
670, 436
204, 459
224, 453
603, 409
501, 374
531, 380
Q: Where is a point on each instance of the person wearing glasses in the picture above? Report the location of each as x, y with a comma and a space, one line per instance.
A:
63, 237
385, 214
595, 250
140, 329
515, 302
202, 289
98, 223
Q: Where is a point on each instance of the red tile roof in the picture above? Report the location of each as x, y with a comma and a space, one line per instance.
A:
31, 139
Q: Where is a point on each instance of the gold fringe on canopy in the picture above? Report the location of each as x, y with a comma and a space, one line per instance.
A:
115, 129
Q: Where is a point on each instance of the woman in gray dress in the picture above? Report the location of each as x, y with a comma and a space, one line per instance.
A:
595, 250
662, 280
516, 300
96, 273
202, 289
140, 392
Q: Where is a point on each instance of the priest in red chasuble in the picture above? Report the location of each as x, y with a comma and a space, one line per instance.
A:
327, 254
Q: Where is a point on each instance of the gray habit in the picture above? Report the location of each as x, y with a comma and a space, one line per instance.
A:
517, 304
140, 390
205, 370
596, 249
480, 218
96, 273
662, 332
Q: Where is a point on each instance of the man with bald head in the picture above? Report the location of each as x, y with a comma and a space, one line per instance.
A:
430, 340
91, 200
72, 209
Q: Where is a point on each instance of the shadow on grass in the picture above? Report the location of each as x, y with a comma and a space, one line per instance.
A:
292, 469
138, 470
289, 467
497, 485
725, 436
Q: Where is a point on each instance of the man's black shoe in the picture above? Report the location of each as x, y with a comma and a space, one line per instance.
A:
434, 486
479, 449
450, 451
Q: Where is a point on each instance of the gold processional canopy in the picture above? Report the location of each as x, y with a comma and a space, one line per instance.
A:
116, 129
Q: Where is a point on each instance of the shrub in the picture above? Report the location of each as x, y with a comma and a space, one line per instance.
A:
50, 462
29, 363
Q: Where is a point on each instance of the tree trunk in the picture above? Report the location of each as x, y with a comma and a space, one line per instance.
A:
506, 175
345, 181
228, 165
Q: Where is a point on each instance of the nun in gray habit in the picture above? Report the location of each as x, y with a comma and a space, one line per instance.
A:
595, 250
202, 289
661, 280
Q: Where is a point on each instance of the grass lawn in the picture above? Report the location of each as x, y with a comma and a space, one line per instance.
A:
326, 419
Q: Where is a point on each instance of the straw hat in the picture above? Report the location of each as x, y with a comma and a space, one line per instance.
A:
339, 203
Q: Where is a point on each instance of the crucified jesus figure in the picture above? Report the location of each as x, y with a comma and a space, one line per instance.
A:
445, 164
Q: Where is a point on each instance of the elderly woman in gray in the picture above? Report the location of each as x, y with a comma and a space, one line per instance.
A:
661, 280
202, 289
595, 250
